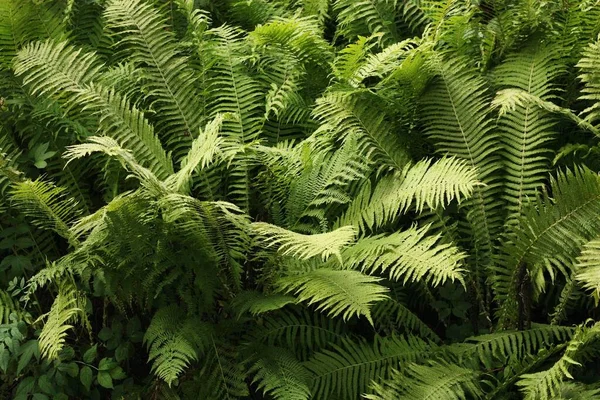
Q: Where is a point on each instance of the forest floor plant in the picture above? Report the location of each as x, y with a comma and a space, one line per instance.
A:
299, 199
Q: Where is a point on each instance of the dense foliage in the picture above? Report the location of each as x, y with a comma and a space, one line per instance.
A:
294, 199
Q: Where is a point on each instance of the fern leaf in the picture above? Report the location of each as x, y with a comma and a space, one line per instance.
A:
174, 342
336, 292
348, 369
436, 381
66, 75
526, 129
169, 79
545, 385
306, 246
47, 205
66, 309
408, 256
588, 267
426, 183
553, 229
278, 373
259, 303
590, 76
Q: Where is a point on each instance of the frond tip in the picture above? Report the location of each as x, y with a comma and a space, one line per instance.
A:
337, 292
306, 246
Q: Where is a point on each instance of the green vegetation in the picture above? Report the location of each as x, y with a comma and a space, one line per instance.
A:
299, 199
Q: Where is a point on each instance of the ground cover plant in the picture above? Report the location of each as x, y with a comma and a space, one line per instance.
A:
299, 199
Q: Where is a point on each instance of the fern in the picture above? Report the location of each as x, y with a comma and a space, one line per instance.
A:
343, 292
588, 269
60, 71
348, 371
546, 384
174, 342
544, 239
526, 129
169, 79
439, 380
47, 205
423, 184
66, 309
306, 246
408, 256
281, 375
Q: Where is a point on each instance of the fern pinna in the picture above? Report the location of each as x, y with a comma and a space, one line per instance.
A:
317, 199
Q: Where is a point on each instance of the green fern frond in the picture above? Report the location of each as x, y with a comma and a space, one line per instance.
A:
502, 345
168, 78
426, 183
306, 246
48, 206
391, 315
342, 293
259, 303
65, 74
278, 373
455, 110
525, 129
299, 36
202, 153
348, 369
302, 332
356, 115
66, 309
365, 17
545, 385
555, 229
590, 76
436, 381
174, 341
411, 255
588, 268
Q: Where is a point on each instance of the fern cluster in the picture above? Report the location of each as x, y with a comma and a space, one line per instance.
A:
299, 199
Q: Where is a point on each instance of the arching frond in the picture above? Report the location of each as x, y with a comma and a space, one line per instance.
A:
168, 78
344, 115
174, 342
342, 293
395, 316
48, 206
306, 246
303, 332
455, 112
525, 128
438, 380
280, 374
553, 229
66, 309
65, 74
259, 303
590, 76
588, 267
427, 183
348, 369
545, 385
408, 256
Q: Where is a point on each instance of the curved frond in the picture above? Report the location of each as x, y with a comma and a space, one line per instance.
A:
411, 255
342, 293
174, 342
553, 229
306, 246
348, 369
436, 381
426, 183
48, 206
546, 385
588, 267
66, 309
168, 78
278, 373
